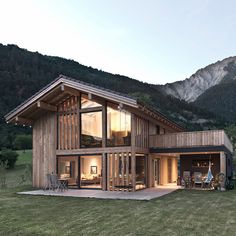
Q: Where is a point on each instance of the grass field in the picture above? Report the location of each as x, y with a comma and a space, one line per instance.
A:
185, 212
14, 175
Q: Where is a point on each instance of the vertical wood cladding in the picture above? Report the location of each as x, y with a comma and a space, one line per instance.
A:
44, 148
68, 124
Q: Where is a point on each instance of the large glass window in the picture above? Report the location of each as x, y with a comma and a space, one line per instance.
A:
88, 103
118, 126
68, 169
91, 129
91, 171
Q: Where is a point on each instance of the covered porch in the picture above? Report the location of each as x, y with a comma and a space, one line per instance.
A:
175, 155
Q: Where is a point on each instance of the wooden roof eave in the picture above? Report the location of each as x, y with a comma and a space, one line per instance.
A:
161, 118
70, 87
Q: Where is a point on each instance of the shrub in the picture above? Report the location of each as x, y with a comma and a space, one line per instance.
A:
10, 157
26, 175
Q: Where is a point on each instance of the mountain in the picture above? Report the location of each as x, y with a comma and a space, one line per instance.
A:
22, 73
190, 89
220, 99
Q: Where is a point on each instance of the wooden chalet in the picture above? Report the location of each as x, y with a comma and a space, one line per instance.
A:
97, 138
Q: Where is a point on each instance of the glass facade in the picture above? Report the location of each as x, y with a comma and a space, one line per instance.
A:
91, 129
118, 126
68, 169
91, 171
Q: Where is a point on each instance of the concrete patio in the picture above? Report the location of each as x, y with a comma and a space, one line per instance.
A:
146, 194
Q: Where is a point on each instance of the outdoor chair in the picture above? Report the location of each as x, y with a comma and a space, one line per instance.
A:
198, 179
48, 183
219, 181
187, 181
56, 184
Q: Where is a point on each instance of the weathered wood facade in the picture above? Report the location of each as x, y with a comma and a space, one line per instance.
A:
106, 140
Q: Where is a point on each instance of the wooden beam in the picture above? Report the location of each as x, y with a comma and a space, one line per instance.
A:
90, 97
62, 87
46, 106
71, 91
23, 121
104, 172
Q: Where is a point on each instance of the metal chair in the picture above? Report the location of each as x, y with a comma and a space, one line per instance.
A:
48, 183
56, 184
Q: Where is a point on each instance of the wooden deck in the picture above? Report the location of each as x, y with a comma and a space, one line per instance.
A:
191, 139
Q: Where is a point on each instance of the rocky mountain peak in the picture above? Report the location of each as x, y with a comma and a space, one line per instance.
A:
190, 89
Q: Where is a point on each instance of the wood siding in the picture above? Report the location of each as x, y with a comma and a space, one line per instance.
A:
191, 139
44, 148
141, 132
68, 124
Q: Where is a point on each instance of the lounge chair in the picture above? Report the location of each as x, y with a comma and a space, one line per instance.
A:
198, 179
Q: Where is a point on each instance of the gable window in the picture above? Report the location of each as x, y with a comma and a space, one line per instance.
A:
118, 126
88, 103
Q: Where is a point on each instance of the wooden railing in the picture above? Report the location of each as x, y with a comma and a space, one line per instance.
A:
191, 139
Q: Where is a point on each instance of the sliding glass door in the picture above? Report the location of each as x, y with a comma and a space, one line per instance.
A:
68, 169
81, 171
91, 171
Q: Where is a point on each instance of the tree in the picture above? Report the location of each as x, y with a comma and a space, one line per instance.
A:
23, 142
231, 131
3, 178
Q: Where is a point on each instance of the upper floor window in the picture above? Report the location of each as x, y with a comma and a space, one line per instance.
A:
118, 126
88, 103
91, 129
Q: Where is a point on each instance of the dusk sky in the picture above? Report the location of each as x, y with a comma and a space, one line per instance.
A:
155, 41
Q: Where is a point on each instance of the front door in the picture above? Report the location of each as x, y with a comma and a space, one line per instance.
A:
156, 172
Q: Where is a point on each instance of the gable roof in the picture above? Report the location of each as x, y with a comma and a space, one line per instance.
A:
69, 85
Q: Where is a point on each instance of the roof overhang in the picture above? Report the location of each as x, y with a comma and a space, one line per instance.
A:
63, 87
60, 89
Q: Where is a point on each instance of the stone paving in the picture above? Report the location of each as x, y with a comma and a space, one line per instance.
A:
145, 194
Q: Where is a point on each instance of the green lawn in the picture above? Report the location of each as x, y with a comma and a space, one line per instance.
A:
14, 175
185, 212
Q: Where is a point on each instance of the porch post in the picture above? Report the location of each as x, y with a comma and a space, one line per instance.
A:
104, 172
133, 170
222, 163
133, 158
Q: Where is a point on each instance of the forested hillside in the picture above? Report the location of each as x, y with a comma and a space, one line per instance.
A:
22, 73
220, 99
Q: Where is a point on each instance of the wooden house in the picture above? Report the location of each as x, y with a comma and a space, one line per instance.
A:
97, 138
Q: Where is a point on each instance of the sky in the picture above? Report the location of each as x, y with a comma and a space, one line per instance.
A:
155, 41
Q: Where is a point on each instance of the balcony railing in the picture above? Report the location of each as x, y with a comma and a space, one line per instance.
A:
191, 139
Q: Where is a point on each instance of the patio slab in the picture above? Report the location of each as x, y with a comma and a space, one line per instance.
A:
146, 194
